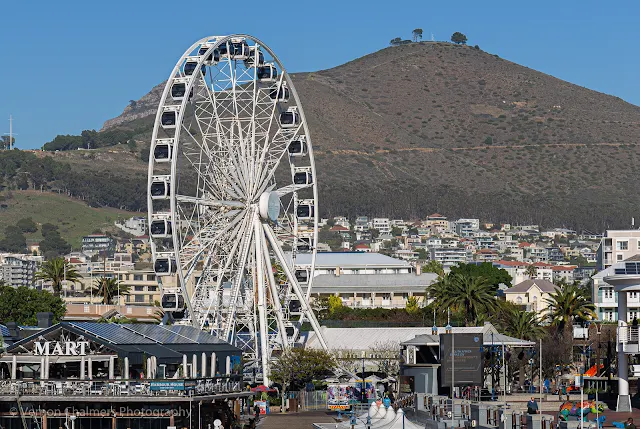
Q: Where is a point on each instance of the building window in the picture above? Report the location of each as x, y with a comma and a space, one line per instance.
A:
152, 288
519, 300
139, 298
151, 277
138, 277
608, 293
139, 288
619, 257
622, 245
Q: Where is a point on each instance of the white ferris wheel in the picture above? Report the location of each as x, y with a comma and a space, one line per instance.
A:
232, 198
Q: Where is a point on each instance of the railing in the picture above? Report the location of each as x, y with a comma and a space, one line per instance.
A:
628, 337
121, 388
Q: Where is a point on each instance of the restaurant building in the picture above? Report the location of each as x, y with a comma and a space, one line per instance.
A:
85, 375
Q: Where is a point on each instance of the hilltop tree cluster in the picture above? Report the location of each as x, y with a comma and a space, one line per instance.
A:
416, 36
89, 139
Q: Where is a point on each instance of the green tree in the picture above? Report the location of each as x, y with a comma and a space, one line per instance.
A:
109, 288
569, 303
56, 271
335, 304
4, 142
395, 41
417, 34
422, 254
27, 225
53, 245
132, 145
472, 295
47, 228
491, 273
413, 305
21, 304
531, 271
14, 240
459, 38
298, 366
433, 266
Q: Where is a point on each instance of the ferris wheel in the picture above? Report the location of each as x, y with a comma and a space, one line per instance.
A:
232, 198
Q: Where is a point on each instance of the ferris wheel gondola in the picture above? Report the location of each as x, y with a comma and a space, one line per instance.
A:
232, 197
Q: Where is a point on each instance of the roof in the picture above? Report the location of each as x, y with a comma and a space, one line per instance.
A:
324, 283
545, 286
487, 338
157, 340
524, 244
366, 338
510, 263
344, 259
4, 331
339, 228
563, 268
435, 215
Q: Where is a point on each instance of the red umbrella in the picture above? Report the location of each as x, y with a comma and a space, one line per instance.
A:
262, 388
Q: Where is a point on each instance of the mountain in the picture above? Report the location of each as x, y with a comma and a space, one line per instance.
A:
427, 127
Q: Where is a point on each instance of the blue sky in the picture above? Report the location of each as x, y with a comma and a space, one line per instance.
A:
70, 65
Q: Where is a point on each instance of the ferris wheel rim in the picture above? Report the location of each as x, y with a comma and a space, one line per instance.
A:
177, 247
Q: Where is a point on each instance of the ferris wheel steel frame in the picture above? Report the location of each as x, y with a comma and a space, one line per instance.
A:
222, 240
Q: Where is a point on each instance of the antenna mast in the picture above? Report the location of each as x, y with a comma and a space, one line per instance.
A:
10, 132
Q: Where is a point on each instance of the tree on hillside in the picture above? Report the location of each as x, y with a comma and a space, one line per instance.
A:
4, 142
491, 273
57, 271
459, 38
396, 41
108, 289
417, 34
21, 304
14, 240
53, 245
27, 225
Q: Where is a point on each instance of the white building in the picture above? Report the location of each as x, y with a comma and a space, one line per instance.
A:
382, 225
18, 269
467, 227
605, 298
448, 256
617, 246
136, 225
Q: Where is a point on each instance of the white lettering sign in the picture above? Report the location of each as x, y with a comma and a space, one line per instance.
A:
56, 348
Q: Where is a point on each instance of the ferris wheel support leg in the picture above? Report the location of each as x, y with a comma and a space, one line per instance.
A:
262, 298
306, 309
273, 289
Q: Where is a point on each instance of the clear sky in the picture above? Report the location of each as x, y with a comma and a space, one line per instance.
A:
69, 65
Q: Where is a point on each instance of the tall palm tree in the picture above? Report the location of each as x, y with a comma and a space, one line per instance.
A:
473, 295
569, 303
525, 325
108, 288
56, 271
531, 271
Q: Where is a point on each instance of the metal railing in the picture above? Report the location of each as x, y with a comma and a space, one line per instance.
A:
122, 388
628, 334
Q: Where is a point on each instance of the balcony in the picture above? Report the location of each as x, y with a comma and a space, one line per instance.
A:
628, 339
114, 390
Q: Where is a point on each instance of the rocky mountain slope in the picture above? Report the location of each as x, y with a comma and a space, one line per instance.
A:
432, 127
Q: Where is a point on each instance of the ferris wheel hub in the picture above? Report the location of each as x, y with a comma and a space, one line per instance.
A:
269, 206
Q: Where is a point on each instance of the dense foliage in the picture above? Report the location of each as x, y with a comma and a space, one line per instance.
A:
57, 271
53, 244
89, 139
21, 304
14, 240
298, 366
108, 289
493, 275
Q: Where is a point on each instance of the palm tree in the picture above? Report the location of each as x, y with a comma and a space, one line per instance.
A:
531, 271
525, 325
569, 303
56, 271
473, 295
108, 288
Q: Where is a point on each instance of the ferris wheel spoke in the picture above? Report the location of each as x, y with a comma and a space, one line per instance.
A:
209, 202
292, 188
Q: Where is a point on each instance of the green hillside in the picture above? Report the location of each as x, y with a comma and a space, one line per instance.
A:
74, 218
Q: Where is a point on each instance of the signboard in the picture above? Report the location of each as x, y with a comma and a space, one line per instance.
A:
59, 348
467, 359
167, 385
370, 391
407, 384
339, 396
263, 405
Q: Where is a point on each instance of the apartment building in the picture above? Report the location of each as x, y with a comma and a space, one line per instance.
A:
605, 298
449, 256
19, 270
467, 227
382, 225
617, 246
98, 243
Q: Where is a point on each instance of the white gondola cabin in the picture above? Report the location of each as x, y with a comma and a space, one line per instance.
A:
279, 93
302, 176
160, 228
290, 118
298, 147
165, 264
191, 66
172, 300
162, 150
251, 60
169, 119
305, 210
160, 188
267, 73
213, 56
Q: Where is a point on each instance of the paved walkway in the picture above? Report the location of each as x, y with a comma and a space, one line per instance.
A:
296, 420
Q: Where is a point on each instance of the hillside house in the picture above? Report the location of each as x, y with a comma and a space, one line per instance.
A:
531, 295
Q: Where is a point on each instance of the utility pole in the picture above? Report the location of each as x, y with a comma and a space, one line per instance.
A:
10, 132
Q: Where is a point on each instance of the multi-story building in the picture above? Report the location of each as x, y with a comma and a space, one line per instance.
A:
362, 224
19, 270
617, 246
531, 294
437, 222
448, 256
136, 225
98, 244
605, 298
467, 227
382, 225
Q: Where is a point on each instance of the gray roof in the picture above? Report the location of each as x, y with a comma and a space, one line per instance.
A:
544, 285
372, 282
367, 338
488, 339
348, 259
4, 332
